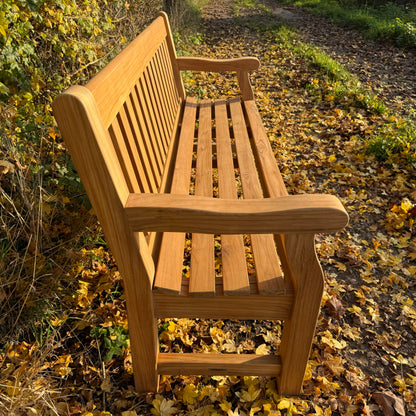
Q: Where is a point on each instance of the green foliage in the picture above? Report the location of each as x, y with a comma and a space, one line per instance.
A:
386, 21
45, 46
343, 86
184, 16
396, 140
113, 340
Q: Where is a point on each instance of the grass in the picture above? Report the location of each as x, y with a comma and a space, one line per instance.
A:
395, 141
388, 21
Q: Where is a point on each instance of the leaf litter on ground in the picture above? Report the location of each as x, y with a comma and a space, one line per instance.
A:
363, 357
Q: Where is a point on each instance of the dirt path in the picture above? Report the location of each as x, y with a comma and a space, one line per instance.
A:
391, 71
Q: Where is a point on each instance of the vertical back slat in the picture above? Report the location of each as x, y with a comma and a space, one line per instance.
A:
130, 142
169, 72
166, 92
145, 164
147, 134
160, 98
155, 110
158, 128
119, 144
151, 123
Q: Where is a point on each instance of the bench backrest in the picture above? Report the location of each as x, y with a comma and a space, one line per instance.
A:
139, 97
120, 130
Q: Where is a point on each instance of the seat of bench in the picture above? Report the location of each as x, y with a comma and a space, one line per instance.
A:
223, 152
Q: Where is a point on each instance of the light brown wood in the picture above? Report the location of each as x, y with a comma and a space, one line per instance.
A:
131, 133
130, 63
159, 127
267, 166
202, 273
168, 277
189, 63
234, 268
104, 180
225, 307
159, 105
299, 329
147, 133
166, 91
131, 140
170, 73
217, 364
304, 213
123, 155
148, 163
245, 85
148, 114
268, 273
172, 54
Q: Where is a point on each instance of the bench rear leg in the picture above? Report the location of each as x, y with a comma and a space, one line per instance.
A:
303, 267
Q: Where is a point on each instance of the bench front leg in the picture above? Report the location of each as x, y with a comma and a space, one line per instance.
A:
298, 332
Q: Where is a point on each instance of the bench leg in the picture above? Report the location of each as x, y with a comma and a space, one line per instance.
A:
306, 273
143, 334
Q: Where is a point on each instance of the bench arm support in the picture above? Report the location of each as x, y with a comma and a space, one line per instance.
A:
306, 213
240, 65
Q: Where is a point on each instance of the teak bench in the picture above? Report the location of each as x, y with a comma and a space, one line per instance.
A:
156, 165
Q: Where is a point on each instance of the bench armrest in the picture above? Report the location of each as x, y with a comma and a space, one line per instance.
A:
240, 65
307, 213
186, 63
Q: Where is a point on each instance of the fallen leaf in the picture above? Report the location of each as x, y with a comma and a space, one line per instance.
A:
335, 308
389, 402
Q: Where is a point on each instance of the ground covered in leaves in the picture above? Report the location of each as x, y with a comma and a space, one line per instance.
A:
363, 357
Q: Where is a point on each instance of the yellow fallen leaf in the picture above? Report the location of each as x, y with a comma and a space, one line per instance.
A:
249, 395
263, 349
190, 394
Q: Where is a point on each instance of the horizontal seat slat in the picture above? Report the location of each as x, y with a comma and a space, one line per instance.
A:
202, 274
268, 273
267, 166
168, 277
234, 267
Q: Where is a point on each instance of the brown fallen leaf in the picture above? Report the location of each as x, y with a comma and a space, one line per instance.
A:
335, 308
389, 402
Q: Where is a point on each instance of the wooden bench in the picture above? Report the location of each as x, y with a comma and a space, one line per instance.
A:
156, 165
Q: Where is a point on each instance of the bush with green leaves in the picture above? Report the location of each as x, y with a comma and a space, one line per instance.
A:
45, 46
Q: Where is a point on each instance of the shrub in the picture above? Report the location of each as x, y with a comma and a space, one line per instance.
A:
46, 45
